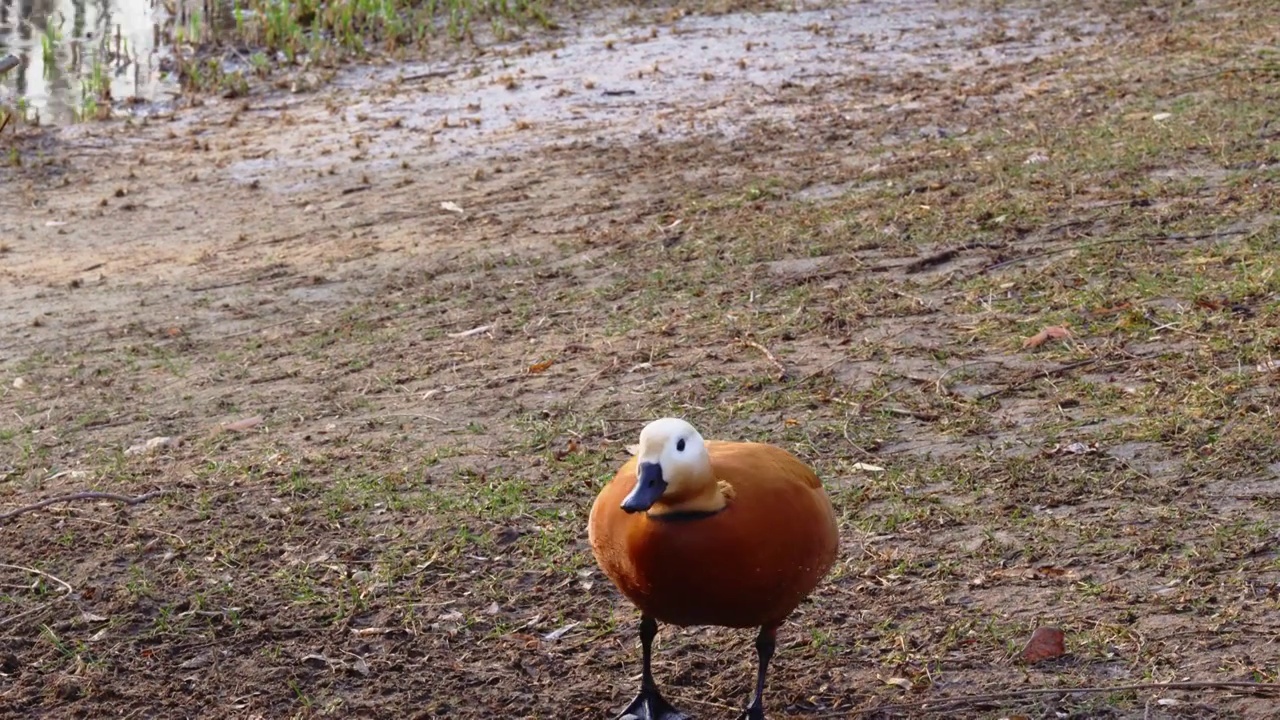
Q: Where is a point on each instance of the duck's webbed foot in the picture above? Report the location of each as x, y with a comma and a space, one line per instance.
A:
650, 705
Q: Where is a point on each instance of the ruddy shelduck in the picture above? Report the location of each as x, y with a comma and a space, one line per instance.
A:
698, 532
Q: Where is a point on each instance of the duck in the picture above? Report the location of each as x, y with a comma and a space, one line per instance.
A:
704, 532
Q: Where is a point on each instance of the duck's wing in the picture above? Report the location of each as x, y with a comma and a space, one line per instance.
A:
740, 463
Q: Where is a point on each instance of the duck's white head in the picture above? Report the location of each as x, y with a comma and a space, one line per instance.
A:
672, 464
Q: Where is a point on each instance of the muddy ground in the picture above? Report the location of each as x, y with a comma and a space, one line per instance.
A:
389, 335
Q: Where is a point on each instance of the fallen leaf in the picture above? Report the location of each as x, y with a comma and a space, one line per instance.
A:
360, 667
316, 660
1160, 117
540, 366
1268, 366
19, 383
903, 683
1053, 332
791, 422
493, 609
90, 617
202, 660
867, 467
1051, 571
568, 450
451, 616
530, 641
242, 425
152, 444
1046, 643
451, 207
559, 632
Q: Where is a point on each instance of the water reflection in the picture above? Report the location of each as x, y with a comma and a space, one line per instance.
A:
69, 48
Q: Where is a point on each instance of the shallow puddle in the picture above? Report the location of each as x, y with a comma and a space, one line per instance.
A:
70, 49
691, 75
611, 79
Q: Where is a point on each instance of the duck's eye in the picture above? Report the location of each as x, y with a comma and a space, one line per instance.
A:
680, 445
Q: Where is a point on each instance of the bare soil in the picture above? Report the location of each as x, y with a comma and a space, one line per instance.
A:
389, 335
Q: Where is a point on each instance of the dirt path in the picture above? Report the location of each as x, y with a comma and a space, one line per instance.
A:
398, 329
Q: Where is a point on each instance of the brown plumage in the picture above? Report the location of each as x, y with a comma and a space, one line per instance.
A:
711, 533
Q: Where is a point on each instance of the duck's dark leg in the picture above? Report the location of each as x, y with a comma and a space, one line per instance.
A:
765, 643
649, 704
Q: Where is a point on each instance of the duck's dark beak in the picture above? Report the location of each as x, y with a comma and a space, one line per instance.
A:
649, 488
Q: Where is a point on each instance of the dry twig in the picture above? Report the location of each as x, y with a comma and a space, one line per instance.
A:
87, 495
782, 370
1052, 372
43, 606
143, 528
944, 256
468, 333
42, 573
594, 376
941, 389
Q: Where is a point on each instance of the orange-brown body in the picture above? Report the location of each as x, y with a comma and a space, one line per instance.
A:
749, 564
